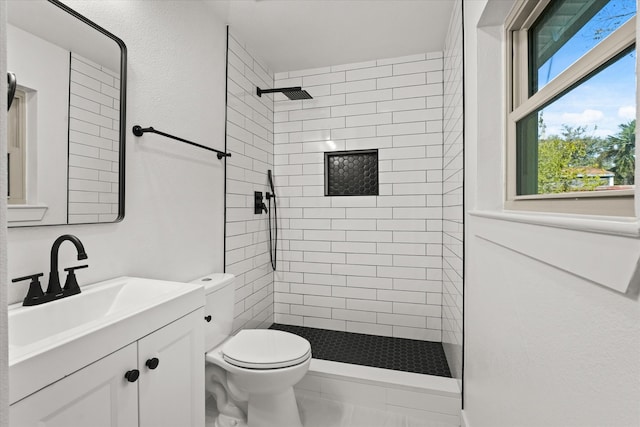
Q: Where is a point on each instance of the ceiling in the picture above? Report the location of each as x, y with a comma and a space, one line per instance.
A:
300, 34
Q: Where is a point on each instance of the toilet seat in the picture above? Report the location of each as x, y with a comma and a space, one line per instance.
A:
265, 349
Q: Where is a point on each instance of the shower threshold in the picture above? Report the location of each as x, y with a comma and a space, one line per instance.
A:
398, 354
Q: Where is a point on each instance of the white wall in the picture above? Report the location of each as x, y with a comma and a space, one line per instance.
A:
250, 141
366, 264
4, 283
452, 195
543, 347
173, 226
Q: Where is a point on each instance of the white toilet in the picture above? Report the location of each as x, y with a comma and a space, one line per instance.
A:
252, 373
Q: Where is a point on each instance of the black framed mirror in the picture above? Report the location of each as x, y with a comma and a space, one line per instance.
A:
66, 124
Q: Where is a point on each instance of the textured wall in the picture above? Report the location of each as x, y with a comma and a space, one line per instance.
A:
173, 225
368, 264
452, 195
250, 141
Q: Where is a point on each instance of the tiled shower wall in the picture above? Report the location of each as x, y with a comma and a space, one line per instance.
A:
94, 124
250, 141
452, 211
368, 264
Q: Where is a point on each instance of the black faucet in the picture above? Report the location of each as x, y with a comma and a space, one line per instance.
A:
54, 290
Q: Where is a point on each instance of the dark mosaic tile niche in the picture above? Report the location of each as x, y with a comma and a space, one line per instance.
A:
400, 354
351, 173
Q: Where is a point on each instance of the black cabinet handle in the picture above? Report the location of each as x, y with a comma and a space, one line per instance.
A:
132, 375
207, 318
152, 363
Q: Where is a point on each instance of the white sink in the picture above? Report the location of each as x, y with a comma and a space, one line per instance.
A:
52, 340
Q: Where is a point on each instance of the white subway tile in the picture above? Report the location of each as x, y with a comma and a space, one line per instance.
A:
369, 328
417, 309
402, 272
369, 282
332, 123
328, 257
355, 109
369, 259
354, 270
309, 136
369, 248
324, 301
353, 315
369, 96
402, 320
357, 86
365, 305
325, 279
362, 213
353, 201
310, 72
408, 201
401, 248
401, 81
324, 101
323, 79
402, 296
308, 114
331, 235
353, 224
428, 90
369, 236
418, 67
426, 139
417, 115
307, 310
331, 324
310, 267
353, 132
402, 104
401, 129
369, 119
369, 73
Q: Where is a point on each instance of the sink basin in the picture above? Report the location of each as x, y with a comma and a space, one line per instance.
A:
49, 341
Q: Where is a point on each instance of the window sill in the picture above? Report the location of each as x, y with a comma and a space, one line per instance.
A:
25, 213
602, 250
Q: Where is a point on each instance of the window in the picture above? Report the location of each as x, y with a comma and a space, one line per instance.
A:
572, 107
16, 121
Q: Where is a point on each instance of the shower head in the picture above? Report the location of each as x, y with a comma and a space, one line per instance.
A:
290, 92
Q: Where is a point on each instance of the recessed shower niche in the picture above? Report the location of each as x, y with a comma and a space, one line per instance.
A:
351, 173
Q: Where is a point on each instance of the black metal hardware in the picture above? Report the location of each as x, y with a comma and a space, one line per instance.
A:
132, 375
258, 204
273, 238
152, 363
34, 295
292, 93
13, 83
54, 290
71, 284
207, 318
139, 131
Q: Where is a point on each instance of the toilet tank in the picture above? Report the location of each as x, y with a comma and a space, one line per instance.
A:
219, 292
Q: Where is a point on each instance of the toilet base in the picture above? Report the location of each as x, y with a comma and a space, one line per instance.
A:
274, 410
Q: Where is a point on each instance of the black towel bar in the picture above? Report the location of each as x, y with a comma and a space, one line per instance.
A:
139, 131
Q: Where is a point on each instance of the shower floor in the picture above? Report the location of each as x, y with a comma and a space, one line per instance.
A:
400, 354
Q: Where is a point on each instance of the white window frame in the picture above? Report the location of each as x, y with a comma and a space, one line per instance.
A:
519, 105
16, 150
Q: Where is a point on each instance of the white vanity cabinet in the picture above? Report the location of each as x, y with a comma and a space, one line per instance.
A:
167, 393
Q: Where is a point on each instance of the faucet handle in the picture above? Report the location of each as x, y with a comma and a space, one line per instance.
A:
35, 294
71, 284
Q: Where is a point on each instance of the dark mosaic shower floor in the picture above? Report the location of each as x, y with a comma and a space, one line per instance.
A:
400, 354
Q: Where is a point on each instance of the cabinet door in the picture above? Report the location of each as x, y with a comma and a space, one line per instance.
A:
172, 394
97, 395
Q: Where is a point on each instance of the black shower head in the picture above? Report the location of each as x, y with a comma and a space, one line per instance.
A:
290, 92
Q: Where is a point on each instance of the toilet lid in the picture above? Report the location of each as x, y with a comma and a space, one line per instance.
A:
265, 349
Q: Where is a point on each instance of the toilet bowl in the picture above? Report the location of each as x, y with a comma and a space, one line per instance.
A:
251, 374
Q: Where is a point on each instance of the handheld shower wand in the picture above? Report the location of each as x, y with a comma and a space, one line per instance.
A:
273, 238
